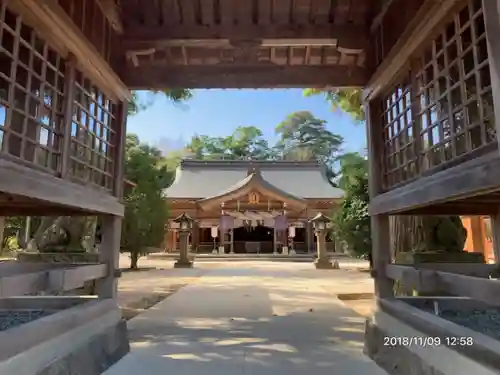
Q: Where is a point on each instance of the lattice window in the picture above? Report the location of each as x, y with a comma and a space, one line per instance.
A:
451, 112
398, 135
93, 136
31, 95
455, 90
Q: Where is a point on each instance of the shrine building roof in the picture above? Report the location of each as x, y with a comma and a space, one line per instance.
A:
203, 179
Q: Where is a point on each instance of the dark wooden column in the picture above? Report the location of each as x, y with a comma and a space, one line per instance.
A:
379, 223
491, 9
195, 239
309, 237
69, 96
109, 251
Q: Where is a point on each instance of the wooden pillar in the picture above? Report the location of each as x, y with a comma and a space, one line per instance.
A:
309, 237
109, 251
231, 249
495, 233
477, 234
69, 96
491, 14
275, 247
380, 233
119, 156
2, 230
195, 237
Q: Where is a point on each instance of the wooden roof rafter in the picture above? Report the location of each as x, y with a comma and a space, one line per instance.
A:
346, 36
111, 10
244, 44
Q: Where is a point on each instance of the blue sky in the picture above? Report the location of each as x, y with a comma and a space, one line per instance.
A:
219, 112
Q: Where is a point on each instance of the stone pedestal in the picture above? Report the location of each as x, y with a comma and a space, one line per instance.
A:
221, 250
323, 264
322, 261
284, 250
183, 261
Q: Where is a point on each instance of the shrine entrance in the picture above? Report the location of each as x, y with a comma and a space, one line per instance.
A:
250, 239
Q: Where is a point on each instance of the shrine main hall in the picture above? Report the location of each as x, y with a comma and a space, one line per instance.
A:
250, 206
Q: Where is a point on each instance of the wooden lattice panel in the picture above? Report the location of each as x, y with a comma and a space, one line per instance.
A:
93, 134
398, 134
31, 95
443, 109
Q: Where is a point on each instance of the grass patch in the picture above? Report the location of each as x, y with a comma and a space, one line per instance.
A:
133, 309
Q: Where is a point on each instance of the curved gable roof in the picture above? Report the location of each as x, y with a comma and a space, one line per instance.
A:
254, 181
197, 179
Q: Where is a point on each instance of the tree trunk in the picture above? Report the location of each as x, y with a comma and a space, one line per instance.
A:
426, 233
134, 259
407, 234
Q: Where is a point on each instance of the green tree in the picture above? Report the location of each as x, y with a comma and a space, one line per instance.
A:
175, 95
352, 223
353, 167
349, 101
246, 142
302, 136
146, 209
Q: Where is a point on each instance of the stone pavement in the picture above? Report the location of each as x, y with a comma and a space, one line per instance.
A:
253, 318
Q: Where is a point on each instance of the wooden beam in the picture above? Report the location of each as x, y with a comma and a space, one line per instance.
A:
475, 177
55, 279
75, 277
143, 37
112, 13
468, 207
477, 288
270, 76
26, 182
412, 278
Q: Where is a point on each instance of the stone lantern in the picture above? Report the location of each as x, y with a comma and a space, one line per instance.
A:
185, 227
321, 224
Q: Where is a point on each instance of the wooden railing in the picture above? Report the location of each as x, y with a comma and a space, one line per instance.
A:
476, 281
27, 279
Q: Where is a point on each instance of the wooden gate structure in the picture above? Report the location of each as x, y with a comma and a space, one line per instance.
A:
430, 70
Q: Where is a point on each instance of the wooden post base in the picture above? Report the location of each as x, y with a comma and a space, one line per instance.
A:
183, 264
